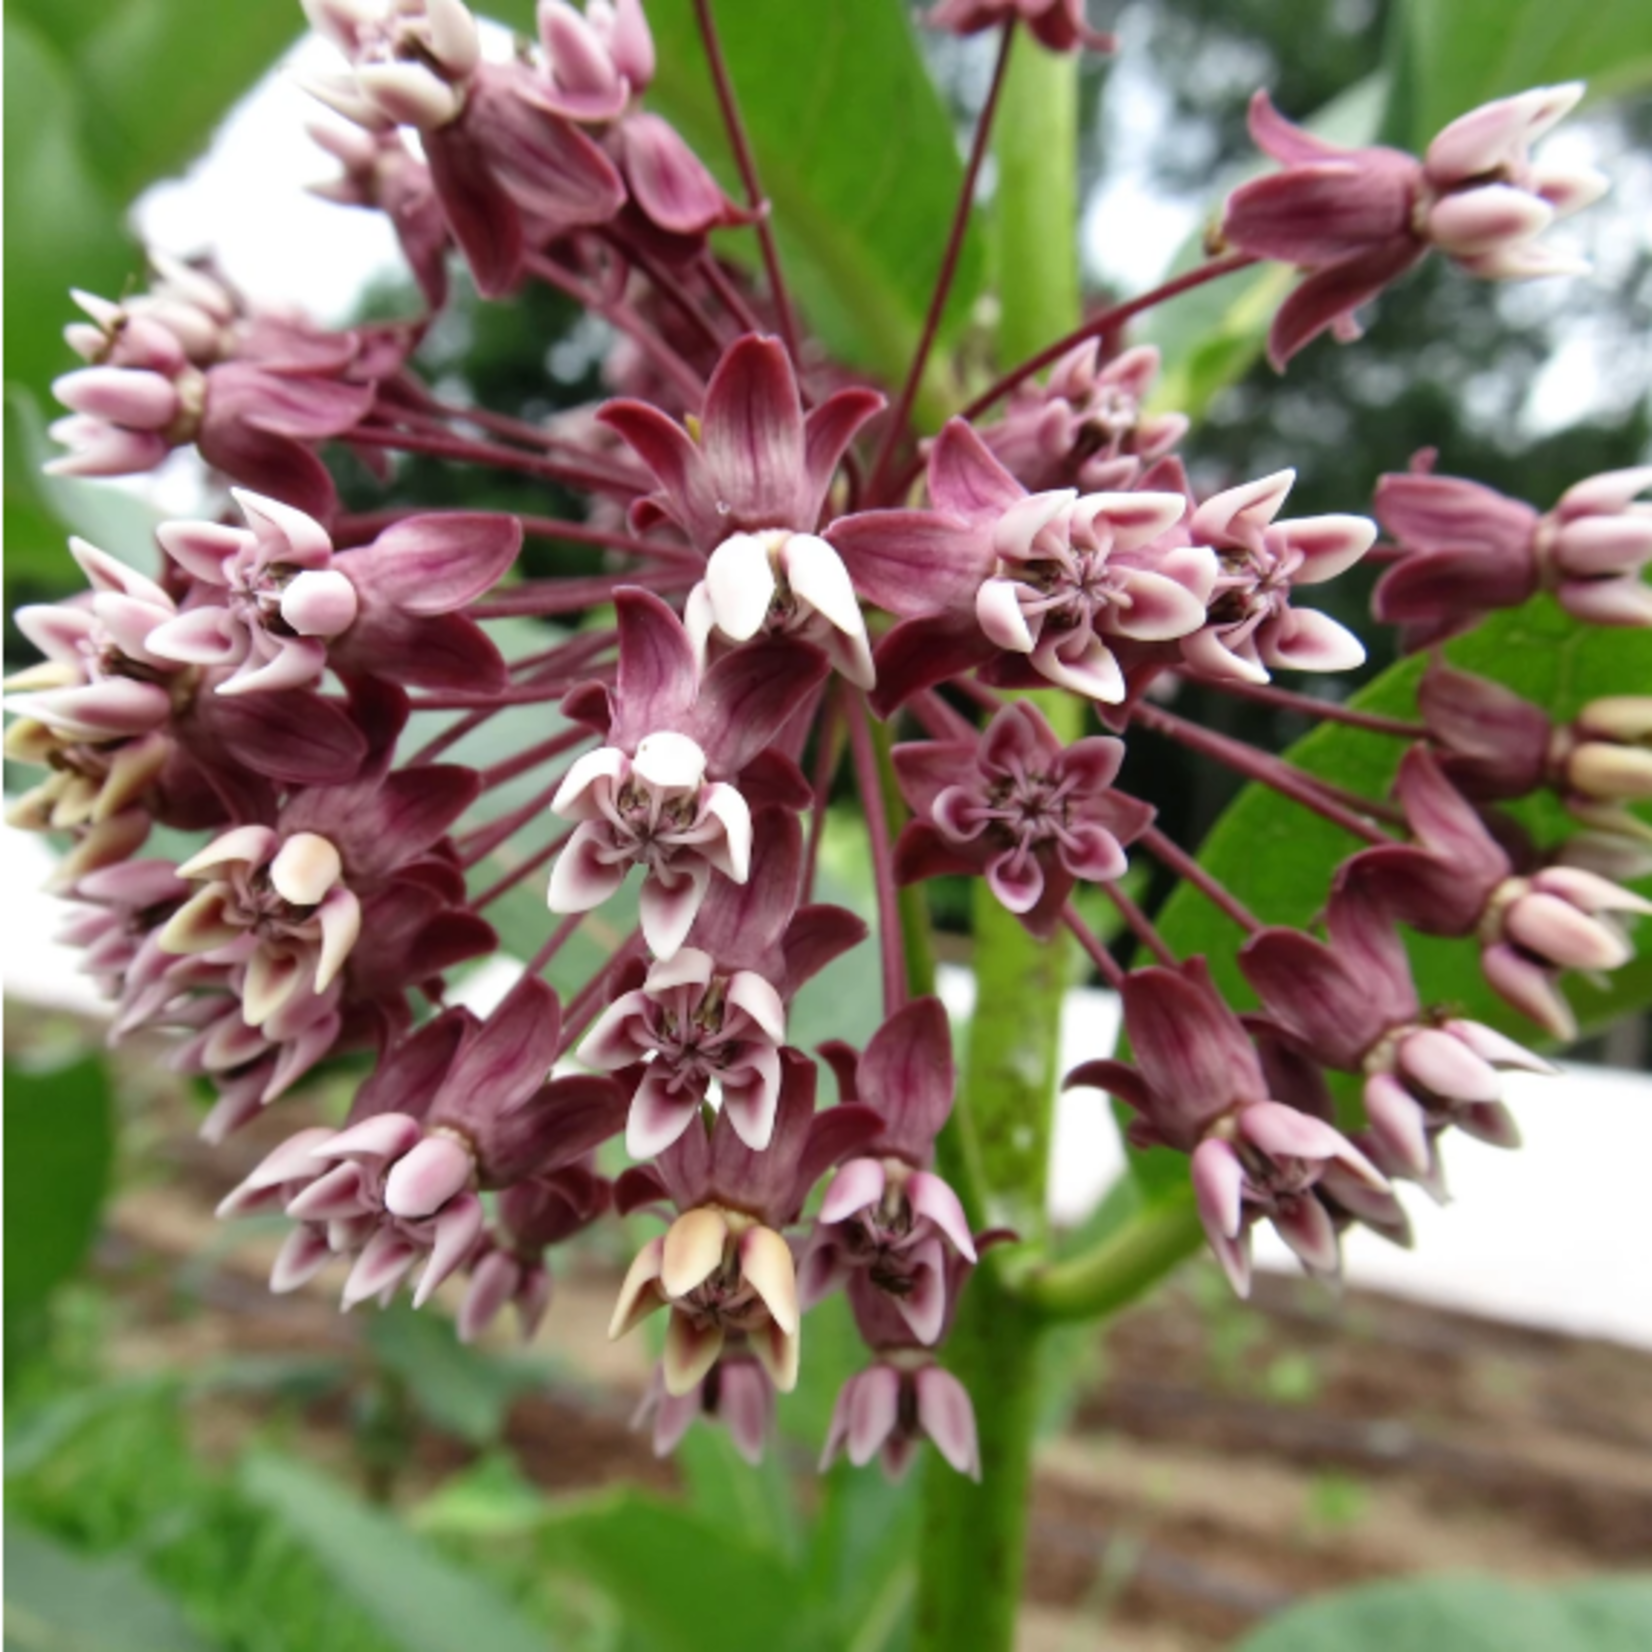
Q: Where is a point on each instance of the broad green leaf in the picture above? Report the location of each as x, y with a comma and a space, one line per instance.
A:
59, 1146
688, 1583
1449, 58
1467, 1614
460, 1390
1279, 858
60, 1601
854, 149
424, 1601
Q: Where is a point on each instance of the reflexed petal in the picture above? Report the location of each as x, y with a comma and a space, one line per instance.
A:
1305, 1225
752, 433
873, 1406
947, 1417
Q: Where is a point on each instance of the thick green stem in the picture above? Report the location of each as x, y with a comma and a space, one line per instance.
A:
998, 1141
1115, 1272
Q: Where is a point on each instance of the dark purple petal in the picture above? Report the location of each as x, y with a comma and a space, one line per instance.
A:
655, 689
668, 180
816, 936
912, 563
1306, 985
300, 739
750, 695
964, 477
752, 436
907, 1074
827, 433
919, 653
1333, 294
435, 564
1191, 1047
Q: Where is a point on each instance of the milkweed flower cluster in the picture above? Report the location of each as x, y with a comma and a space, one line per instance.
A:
793, 584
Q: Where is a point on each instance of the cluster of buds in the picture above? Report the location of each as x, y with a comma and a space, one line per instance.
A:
776, 595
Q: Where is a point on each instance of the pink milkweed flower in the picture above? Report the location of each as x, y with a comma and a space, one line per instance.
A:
1034, 816
253, 393
1485, 204
382, 174
748, 488
663, 791
598, 64
1353, 1005
1251, 624
410, 59
274, 604
509, 1269
280, 906
460, 1107
1357, 219
100, 679
693, 1025
1043, 587
1057, 25
1489, 742
736, 1392
900, 1400
887, 1215
723, 1266
1470, 549
1456, 879
1198, 1087
1086, 425
717, 1011
508, 169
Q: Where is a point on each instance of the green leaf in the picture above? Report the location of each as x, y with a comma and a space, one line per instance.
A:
1451, 58
1467, 1614
60, 1601
420, 1598
853, 147
59, 1148
686, 1581
460, 1390
1279, 858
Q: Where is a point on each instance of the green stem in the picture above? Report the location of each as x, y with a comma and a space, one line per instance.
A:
1116, 1271
997, 1143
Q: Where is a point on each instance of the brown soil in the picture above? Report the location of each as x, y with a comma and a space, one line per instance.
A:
1220, 1461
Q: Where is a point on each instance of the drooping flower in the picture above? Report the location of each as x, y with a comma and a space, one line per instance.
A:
1034, 816
887, 1215
724, 1266
1354, 1007
1357, 219
1198, 1087
1456, 879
